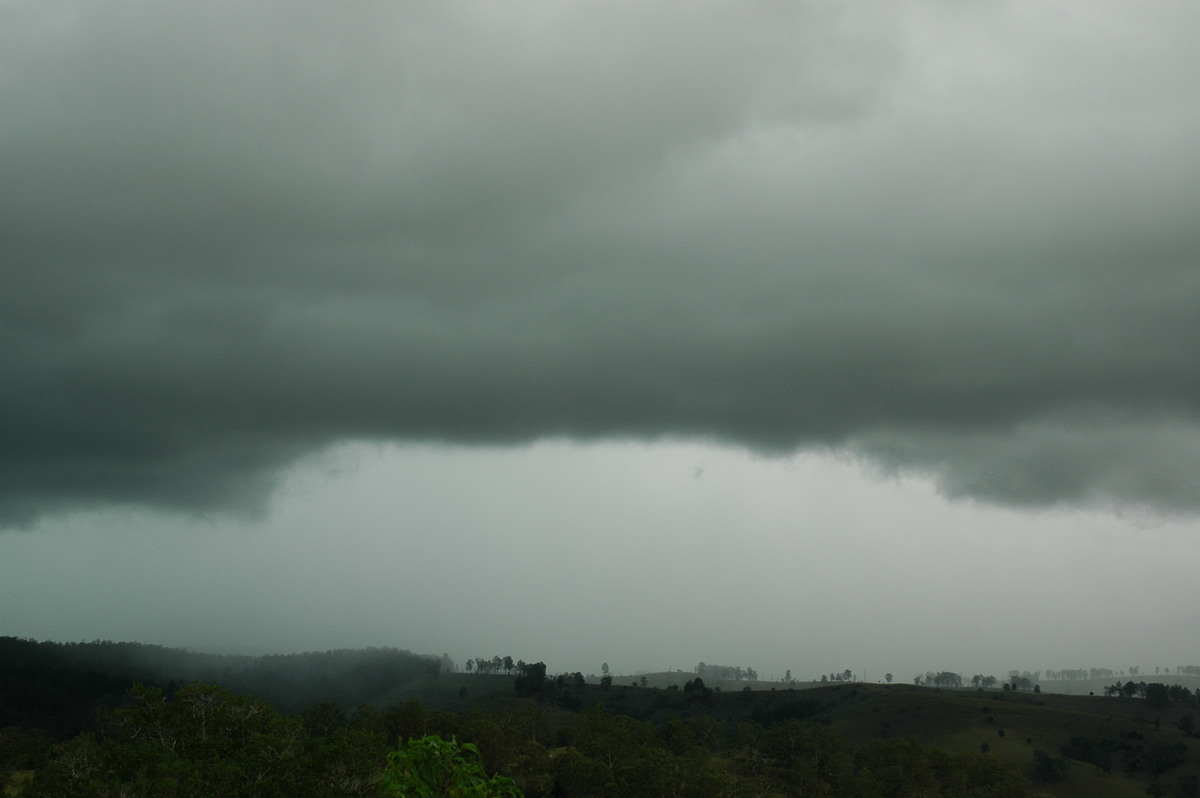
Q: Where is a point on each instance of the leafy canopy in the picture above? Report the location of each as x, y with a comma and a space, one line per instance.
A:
430, 767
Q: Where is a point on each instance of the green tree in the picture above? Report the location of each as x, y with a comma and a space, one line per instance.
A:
430, 767
1157, 695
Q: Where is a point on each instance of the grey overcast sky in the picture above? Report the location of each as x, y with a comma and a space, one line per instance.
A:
802, 335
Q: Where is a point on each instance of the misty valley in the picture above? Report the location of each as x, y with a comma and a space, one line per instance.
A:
129, 719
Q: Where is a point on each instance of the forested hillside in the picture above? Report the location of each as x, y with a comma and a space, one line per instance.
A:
207, 742
74, 725
55, 685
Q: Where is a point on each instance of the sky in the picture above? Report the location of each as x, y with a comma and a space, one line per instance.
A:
798, 335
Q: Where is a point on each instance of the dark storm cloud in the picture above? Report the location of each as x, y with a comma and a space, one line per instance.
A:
945, 238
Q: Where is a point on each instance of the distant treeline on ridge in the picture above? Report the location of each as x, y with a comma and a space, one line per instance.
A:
67, 678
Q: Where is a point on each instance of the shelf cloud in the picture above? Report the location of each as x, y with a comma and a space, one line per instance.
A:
947, 239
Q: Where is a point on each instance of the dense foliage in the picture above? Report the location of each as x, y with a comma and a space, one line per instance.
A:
430, 767
204, 741
73, 727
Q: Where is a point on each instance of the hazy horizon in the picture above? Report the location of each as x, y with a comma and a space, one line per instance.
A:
564, 551
788, 335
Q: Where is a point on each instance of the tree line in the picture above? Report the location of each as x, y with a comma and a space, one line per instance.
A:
1156, 694
51, 684
494, 664
733, 673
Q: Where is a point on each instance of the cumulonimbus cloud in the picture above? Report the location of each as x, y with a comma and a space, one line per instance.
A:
235, 233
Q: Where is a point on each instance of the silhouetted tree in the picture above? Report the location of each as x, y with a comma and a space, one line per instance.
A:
696, 689
1157, 695
947, 679
531, 680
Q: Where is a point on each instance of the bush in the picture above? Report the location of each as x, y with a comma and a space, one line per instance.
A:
430, 767
1049, 768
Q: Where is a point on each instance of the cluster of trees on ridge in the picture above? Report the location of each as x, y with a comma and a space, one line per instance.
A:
1081, 674
1016, 680
1030, 681
733, 673
1156, 694
493, 665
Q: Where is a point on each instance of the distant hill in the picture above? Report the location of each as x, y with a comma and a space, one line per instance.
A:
1063, 745
1096, 686
59, 680
1110, 747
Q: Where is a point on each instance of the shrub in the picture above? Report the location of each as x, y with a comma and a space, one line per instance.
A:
430, 767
